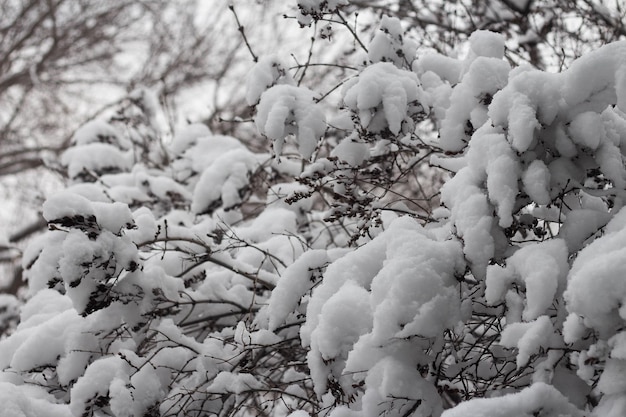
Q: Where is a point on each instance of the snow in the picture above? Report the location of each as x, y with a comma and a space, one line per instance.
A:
443, 67
273, 221
536, 180
528, 338
29, 401
484, 43
113, 216
223, 180
385, 321
236, 383
538, 398
266, 73
96, 381
580, 225
351, 152
587, 130
595, 73
381, 96
289, 110
186, 136
596, 274
573, 328
484, 77
397, 286
391, 381
66, 204
471, 214
95, 158
296, 280
390, 45
98, 131
541, 267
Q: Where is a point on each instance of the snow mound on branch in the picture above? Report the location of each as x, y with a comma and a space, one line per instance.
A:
288, 110
95, 158
392, 382
597, 274
29, 401
541, 268
536, 181
66, 204
382, 96
266, 73
470, 99
98, 131
236, 383
538, 398
487, 44
351, 151
187, 136
389, 45
399, 290
96, 381
528, 338
223, 181
472, 217
296, 280
590, 78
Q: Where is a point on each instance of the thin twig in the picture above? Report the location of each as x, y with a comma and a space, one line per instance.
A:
242, 30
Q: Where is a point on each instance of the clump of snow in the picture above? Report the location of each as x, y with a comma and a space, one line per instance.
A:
223, 181
542, 268
573, 328
536, 180
113, 216
469, 101
98, 131
390, 380
486, 44
289, 110
266, 73
66, 204
29, 401
587, 129
538, 398
352, 152
236, 383
580, 225
96, 382
592, 76
596, 274
472, 217
399, 286
95, 159
294, 283
383, 96
528, 338
390, 45
187, 136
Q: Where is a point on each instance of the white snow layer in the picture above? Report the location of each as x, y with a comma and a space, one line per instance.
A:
381, 95
29, 401
542, 270
596, 289
399, 285
266, 73
289, 110
538, 399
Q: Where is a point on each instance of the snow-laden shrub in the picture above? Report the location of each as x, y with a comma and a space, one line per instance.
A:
200, 278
